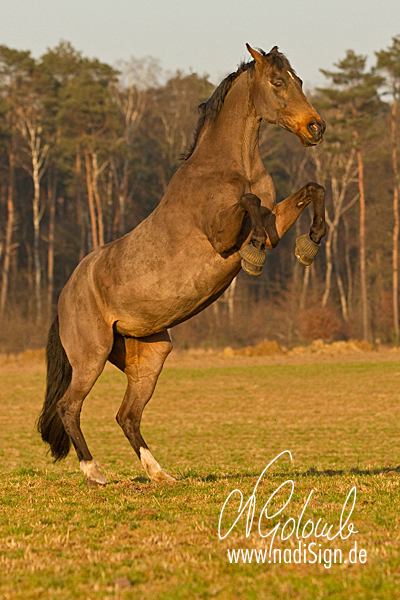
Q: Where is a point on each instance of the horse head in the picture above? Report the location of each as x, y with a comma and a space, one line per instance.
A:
278, 97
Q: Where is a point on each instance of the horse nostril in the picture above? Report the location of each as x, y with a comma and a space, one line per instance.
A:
316, 128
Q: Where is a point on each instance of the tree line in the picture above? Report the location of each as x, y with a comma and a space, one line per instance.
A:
87, 150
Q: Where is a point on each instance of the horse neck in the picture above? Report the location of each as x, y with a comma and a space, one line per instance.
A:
233, 135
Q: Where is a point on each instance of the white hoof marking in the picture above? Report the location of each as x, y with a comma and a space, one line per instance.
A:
92, 472
152, 468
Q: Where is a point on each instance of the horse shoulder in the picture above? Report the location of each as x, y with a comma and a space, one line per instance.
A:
263, 186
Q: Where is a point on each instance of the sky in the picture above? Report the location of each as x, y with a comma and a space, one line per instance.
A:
204, 36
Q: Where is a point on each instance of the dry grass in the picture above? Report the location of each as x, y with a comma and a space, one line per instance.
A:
215, 429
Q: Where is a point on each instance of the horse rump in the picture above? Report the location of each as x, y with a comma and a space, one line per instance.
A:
59, 374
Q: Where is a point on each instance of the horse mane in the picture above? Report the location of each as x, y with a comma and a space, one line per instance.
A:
210, 109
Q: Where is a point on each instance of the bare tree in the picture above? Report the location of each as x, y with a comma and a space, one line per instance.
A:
337, 171
36, 152
8, 241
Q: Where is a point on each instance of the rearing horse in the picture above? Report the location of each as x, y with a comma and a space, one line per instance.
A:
218, 214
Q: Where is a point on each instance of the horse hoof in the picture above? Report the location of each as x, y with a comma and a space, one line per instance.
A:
94, 484
252, 260
251, 269
162, 477
306, 250
91, 471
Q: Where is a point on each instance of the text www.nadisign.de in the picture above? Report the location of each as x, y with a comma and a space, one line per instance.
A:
304, 554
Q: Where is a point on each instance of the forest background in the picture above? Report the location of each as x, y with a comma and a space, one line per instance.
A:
87, 150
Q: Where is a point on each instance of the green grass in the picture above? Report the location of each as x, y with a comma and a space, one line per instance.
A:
215, 430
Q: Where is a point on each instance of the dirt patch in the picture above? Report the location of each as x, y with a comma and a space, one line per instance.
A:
318, 347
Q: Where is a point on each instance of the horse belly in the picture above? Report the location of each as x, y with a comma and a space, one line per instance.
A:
168, 301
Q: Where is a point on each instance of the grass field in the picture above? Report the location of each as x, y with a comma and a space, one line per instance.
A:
214, 429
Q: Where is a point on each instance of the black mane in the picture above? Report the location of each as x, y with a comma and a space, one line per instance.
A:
212, 107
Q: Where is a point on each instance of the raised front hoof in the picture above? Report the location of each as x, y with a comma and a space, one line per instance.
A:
162, 477
94, 484
251, 269
252, 260
306, 250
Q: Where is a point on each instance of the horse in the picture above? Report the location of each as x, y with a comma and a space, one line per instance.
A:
219, 214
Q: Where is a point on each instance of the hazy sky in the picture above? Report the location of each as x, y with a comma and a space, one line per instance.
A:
207, 36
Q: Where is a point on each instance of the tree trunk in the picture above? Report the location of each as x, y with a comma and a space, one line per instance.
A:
37, 215
122, 188
98, 201
230, 293
349, 271
364, 298
306, 279
343, 302
8, 237
92, 211
109, 220
329, 265
51, 195
79, 204
395, 224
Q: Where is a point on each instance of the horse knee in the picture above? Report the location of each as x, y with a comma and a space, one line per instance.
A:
128, 416
315, 188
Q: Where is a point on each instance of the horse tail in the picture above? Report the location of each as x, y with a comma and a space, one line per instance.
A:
59, 374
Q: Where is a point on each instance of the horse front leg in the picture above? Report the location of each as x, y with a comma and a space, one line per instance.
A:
277, 222
141, 360
253, 254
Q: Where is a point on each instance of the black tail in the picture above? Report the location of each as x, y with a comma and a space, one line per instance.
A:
59, 373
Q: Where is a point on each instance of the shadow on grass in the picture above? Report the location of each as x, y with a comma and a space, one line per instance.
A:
312, 472
356, 471
141, 479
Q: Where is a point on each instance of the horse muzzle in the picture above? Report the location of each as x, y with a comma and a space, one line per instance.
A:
315, 133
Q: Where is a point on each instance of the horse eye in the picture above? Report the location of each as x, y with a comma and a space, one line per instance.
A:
277, 84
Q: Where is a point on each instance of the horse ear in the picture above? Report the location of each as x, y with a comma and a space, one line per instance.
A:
256, 55
274, 49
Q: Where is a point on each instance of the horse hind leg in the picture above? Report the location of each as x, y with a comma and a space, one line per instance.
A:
69, 380
141, 360
69, 409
